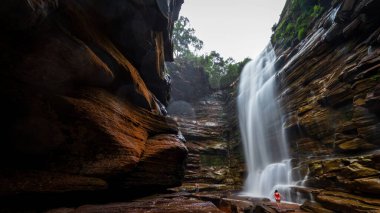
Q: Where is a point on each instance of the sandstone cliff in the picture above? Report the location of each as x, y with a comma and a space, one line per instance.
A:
207, 119
83, 91
329, 89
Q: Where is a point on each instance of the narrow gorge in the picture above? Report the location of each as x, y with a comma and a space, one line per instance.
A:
103, 113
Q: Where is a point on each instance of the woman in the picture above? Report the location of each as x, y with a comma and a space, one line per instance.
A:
277, 197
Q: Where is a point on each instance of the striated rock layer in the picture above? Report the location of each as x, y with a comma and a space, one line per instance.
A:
83, 89
207, 119
329, 89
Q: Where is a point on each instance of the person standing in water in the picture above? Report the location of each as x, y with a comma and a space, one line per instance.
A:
277, 197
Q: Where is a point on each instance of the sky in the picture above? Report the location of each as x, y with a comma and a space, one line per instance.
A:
234, 28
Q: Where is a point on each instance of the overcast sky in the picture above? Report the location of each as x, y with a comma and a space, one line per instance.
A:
234, 28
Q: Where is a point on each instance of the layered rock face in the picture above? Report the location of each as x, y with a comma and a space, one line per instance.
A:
84, 88
329, 89
207, 119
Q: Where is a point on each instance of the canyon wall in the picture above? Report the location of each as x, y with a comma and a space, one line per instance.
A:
84, 87
329, 85
207, 119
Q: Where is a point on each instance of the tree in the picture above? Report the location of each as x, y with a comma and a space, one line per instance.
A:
184, 38
221, 72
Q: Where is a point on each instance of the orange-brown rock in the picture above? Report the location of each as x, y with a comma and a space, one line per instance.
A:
344, 202
155, 205
161, 164
84, 93
329, 91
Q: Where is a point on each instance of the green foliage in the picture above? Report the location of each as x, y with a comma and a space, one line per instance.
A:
233, 72
222, 72
184, 38
301, 33
317, 10
298, 21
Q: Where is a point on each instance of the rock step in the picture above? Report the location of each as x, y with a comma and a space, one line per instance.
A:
168, 204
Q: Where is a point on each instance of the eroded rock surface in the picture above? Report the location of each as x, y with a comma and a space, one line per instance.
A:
157, 205
329, 86
84, 90
207, 119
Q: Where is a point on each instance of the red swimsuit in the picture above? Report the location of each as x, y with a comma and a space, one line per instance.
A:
277, 196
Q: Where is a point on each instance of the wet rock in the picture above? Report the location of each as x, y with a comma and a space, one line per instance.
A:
344, 13
367, 185
356, 170
315, 168
333, 33
371, 133
280, 62
372, 100
228, 204
307, 146
317, 124
355, 145
156, 205
346, 127
347, 143
350, 29
337, 95
339, 201
314, 207
362, 117
342, 173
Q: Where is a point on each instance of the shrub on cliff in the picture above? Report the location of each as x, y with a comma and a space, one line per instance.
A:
297, 20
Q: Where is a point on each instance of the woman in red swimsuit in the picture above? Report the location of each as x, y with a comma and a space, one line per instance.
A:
277, 197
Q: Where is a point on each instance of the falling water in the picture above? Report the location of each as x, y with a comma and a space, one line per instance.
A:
260, 121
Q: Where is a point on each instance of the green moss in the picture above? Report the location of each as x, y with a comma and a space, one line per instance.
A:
213, 160
298, 21
301, 33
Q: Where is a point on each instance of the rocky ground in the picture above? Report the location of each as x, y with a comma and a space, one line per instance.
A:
83, 113
210, 202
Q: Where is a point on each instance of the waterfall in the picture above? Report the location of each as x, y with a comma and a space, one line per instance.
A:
260, 120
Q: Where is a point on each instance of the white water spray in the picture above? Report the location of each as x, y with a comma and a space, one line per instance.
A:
261, 128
